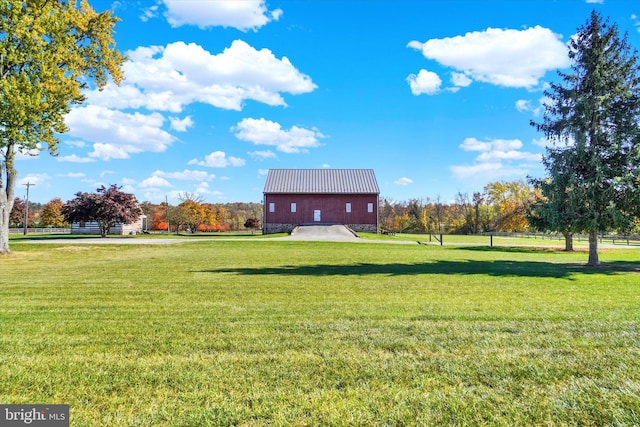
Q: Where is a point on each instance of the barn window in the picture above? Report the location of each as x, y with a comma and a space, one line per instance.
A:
348, 207
293, 207
272, 207
370, 207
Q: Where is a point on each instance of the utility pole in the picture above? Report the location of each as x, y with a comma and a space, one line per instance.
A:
26, 207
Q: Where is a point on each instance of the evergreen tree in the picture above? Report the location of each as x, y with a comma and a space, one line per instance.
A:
592, 120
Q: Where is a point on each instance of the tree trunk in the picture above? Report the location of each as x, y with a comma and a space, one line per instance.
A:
104, 228
6, 199
568, 241
593, 249
5, 211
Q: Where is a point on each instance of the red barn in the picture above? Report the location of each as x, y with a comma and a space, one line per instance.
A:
320, 196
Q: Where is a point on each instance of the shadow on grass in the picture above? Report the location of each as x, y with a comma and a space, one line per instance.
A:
516, 249
471, 267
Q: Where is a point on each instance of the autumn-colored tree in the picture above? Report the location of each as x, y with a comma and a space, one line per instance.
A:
509, 201
50, 50
427, 223
158, 221
52, 214
195, 214
17, 212
401, 222
107, 207
223, 216
252, 223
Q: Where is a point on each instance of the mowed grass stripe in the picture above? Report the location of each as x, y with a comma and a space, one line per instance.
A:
317, 333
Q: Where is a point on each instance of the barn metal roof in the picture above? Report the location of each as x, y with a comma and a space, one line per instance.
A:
321, 181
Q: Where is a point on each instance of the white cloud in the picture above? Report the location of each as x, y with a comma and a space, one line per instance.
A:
506, 144
242, 15
75, 159
526, 106
149, 13
263, 154
523, 105
34, 179
170, 77
497, 158
29, 154
503, 57
403, 181
154, 181
472, 144
460, 79
218, 159
78, 144
185, 175
181, 125
115, 134
266, 132
484, 169
203, 188
426, 82
73, 175
128, 188
541, 142
108, 152
508, 155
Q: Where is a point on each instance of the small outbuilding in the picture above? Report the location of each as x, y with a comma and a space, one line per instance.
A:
92, 227
295, 197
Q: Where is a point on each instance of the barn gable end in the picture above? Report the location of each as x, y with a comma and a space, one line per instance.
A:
320, 196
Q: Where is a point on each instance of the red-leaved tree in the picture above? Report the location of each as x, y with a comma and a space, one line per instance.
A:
107, 207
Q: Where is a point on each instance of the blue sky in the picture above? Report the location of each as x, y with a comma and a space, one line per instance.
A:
434, 96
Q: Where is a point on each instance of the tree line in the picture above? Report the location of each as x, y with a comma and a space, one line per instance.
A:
501, 206
190, 215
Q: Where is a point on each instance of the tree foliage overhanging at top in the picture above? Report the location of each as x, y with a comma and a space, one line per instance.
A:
108, 207
592, 119
50, 51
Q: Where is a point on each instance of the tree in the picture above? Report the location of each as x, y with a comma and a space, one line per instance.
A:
509, 200
194, 214
252, 223
592, 120
52, 214
107, 207
50, 50
478, 200
17, 212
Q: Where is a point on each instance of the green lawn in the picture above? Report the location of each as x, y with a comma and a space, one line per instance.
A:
257, 332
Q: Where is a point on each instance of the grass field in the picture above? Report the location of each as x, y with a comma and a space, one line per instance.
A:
258, 332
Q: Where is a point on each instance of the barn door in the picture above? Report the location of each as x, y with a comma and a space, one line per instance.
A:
316, 215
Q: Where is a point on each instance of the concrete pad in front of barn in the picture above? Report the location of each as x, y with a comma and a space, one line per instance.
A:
329, 232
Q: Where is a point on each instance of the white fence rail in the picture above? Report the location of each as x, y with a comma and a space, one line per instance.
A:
41, 230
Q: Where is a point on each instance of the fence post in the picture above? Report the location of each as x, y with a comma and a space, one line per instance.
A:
491, 236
